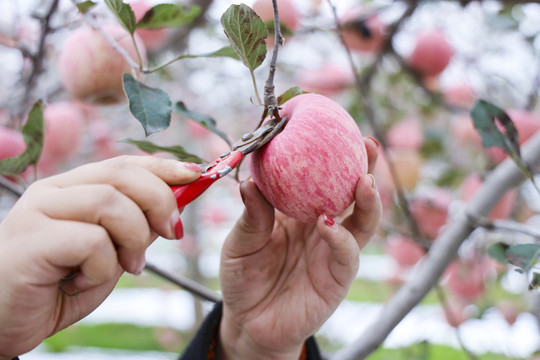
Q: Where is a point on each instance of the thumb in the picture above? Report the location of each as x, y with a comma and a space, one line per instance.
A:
253, 229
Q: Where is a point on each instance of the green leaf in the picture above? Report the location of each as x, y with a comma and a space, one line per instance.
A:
523, 255
247, 33
205, 120
178, 151
152, 107
497, 251
289, 94
33, 132
485, 116
85, 6
123, 13
168, 15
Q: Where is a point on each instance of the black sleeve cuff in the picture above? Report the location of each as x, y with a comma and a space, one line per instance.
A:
201, 344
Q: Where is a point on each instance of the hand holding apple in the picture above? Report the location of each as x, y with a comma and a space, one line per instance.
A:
291, 274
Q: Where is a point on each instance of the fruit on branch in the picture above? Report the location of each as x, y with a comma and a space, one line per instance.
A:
407, 165
64, 123
11, 143
327, 80
456, 312
403, 250
431, 54
430, 211
509, 310
91, 68
406, 134
466, 277
461, 95
153, 39
313, 165
502, 210
363, 33
288, 15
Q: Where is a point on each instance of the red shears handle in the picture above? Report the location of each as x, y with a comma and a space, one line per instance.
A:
187, 193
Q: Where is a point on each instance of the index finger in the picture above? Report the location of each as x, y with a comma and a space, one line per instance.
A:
144, 179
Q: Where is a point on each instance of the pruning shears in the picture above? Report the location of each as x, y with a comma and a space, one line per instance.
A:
227, 161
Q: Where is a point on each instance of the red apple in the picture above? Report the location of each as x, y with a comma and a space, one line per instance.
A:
432, 53
403, 250
11, 143
509, 310
153, 39
288, 15
313, 165
456, 312
328, 80
466, 278
364, 34
64, 124
406, 134
91, 69
461, 95
407, 164
430, 210
502, 210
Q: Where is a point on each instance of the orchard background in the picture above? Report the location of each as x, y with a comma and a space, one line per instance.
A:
411, 73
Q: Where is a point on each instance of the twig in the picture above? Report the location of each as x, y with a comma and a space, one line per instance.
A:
188, 284
363, 86
270, 101
11, 187
503, 225
443, 250
38, 57
452, 317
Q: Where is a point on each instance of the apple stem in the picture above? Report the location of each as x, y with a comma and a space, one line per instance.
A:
270, 101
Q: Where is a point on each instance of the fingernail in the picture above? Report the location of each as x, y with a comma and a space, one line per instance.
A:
329, 221
373, 186
140, 265
193, 167
178, 230
174, 220
374, 140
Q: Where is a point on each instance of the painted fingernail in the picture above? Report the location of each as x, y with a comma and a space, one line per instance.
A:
193, 167
329, 221
374, 140
179, 230
373, 186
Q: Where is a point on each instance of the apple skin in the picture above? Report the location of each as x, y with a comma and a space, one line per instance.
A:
153, 39
288, 15
502, 210
91, 69
461, 95
356, 39
11, 143
432, 53
466, 278
404, 250
313, 165
406, 134
327, 80
64, 123
431, 211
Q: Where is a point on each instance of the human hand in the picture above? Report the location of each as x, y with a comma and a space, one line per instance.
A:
282, 279
93, 222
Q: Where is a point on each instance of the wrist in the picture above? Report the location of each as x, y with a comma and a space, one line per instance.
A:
234, 343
